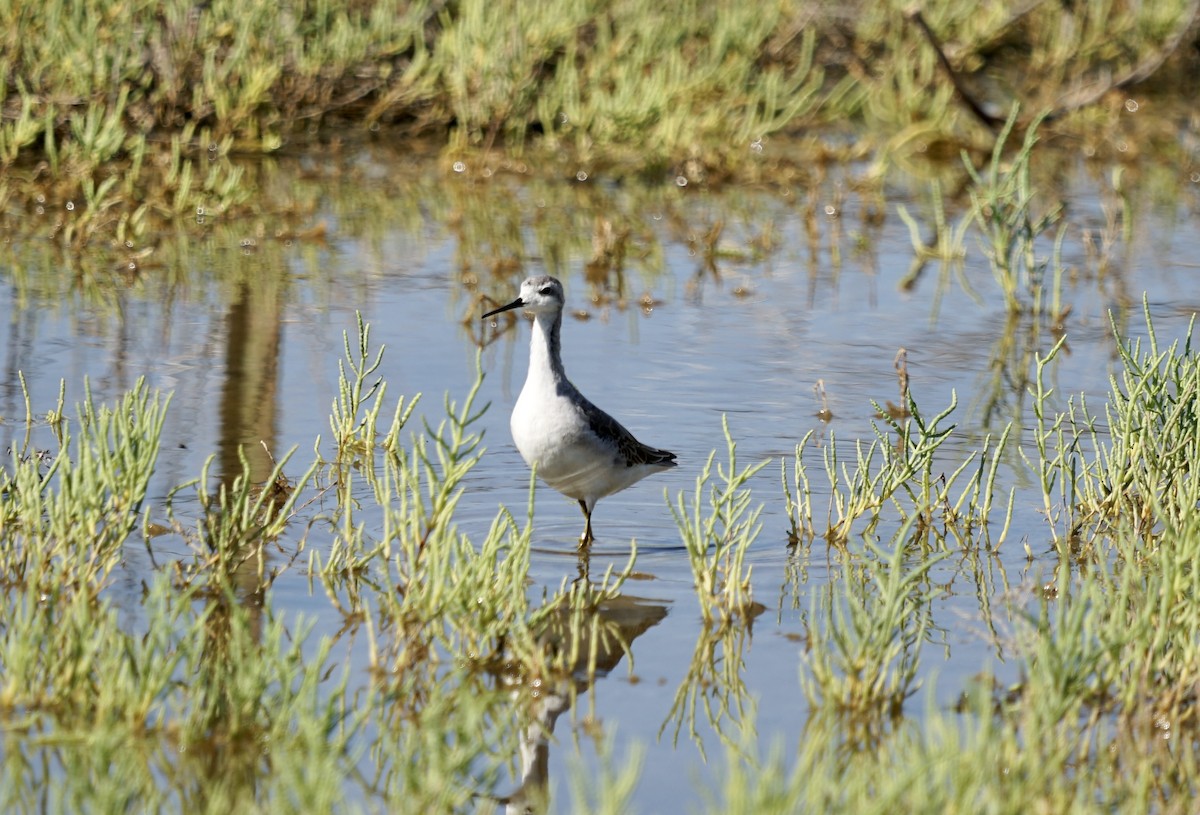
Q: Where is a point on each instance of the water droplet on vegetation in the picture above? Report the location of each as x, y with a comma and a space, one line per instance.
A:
487, 172
212, 148
521, 167
831, 210
41, 199
657, 216
200, 211
373, 127
40, 210
460, 167
128, 244
1122, 146
1196, 178
581, 176
70, 206
680, 181
756, 145
1131, 105
562, 118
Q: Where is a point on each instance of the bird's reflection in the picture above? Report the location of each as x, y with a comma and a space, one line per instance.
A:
583, 645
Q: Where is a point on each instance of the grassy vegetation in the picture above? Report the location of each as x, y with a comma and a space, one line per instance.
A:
121, 117
201, 696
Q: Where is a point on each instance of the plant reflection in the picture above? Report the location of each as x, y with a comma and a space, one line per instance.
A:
867, 629
715, 683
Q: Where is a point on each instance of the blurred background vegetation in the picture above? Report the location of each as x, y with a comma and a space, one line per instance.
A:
121, 113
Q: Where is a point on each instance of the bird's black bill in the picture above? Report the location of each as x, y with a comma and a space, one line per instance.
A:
514, 304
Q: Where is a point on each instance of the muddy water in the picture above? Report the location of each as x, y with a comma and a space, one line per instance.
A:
672, 327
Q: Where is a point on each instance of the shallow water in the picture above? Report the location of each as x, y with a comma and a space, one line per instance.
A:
246, 332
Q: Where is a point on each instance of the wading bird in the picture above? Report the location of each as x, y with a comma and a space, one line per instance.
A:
574, 446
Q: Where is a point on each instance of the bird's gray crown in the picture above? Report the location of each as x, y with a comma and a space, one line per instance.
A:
542, 293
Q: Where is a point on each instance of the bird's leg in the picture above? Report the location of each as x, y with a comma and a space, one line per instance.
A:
587, 529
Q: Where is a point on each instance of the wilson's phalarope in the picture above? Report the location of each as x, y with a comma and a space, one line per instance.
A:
576, 447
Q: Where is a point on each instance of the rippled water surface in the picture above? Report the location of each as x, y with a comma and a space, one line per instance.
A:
801, 285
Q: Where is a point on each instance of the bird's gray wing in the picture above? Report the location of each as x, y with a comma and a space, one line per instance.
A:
630, 450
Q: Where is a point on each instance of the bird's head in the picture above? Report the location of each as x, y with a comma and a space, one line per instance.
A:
540, 294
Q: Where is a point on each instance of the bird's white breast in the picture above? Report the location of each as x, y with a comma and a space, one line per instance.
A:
550, 433
553, 436
551, 428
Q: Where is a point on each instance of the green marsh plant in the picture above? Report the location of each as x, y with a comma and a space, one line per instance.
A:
160, 98
947, 245
238, 518
717, 538
1004, 207
67, 513
1143, 470
1139, 471
900, 468
355, 414
228, 703
1103, 711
